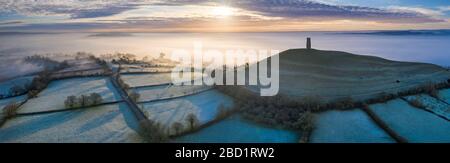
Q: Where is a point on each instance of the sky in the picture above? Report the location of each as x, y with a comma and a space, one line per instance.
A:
221, 15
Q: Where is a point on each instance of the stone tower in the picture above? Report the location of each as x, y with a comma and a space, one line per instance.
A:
308, 43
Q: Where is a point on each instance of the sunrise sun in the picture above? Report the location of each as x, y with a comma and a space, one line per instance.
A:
223, 11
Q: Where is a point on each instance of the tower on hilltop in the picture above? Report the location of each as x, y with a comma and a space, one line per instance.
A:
308, 43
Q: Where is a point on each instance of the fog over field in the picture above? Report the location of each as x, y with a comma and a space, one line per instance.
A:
423, 48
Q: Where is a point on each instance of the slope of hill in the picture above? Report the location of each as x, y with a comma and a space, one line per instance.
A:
333, 75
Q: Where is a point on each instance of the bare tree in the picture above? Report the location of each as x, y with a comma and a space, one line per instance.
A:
95, 98
83, 100
10, 110
71, 102
134, 96
32, 93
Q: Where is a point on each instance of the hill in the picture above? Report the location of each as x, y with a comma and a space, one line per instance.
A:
333, 75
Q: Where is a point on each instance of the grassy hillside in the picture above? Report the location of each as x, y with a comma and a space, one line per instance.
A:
333, 75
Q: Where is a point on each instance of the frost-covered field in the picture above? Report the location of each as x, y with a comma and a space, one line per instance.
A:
414, 124
162, 92
352, 126
432, 104
204, 105
108, 123
237, 130
16, 99
137, 80
53, 97
20, 81
445, 95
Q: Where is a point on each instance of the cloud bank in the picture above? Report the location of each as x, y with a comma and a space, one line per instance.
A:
287, 10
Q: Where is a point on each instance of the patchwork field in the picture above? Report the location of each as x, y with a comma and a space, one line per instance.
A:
53, 97
352, 126
162, 92
138, 80
20, 81
108, 123
432, 104
330, 75
204, 105
416, 125
236, 130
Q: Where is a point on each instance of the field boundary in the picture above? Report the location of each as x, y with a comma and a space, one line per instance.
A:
384, 125
427, 110
137, 73
68, 109
176, 97
163, 84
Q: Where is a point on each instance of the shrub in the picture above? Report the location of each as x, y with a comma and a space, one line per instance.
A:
41, 81
223, 112
416, 103
95, 98
84, 100
125, 86
430, 89
151, 131
384, 97
71, 102
311, 103
345, 103
134, 96
192, 120
177, 127
305, 122
279, 110
32, 93
122, 84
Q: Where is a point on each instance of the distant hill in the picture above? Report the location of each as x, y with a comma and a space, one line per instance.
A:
333, 75
111, 34
442, 32
25, 33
